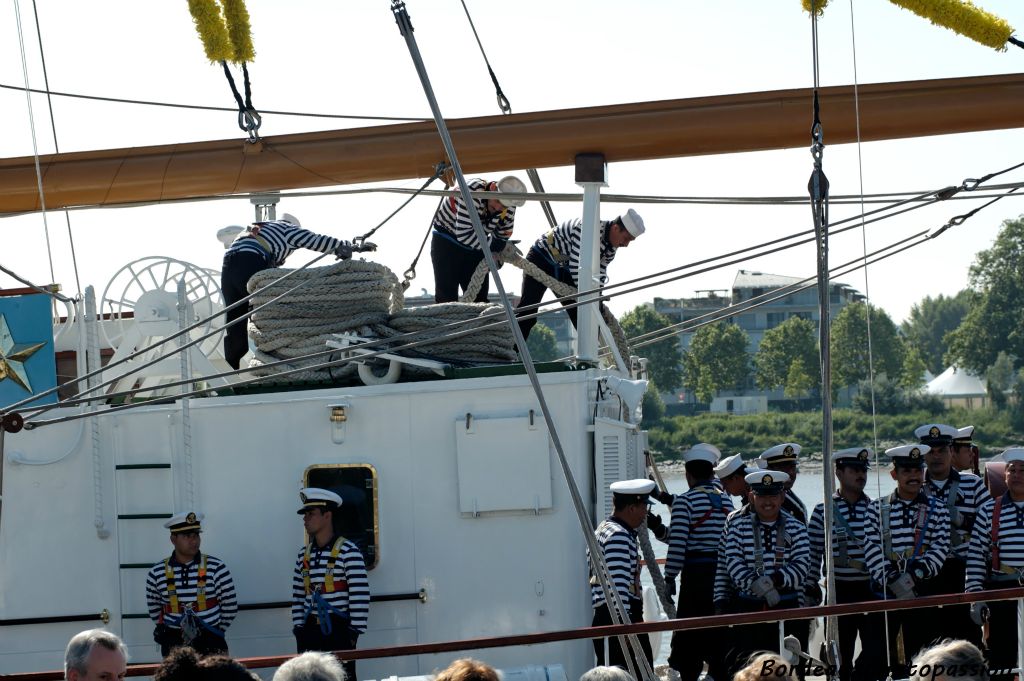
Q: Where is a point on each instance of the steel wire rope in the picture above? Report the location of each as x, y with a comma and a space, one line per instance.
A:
56, 146
35, 143
200, 107
180, 348
658, 335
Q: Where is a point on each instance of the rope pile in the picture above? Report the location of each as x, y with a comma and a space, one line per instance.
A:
348, 296
511, 255
364, 298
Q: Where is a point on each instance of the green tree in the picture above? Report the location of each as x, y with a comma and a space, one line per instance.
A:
929, 322
542, 343
912, 374
792, 341
995, 322
850, 345
799, 381
664, 358
999, 379
653, 405
717, 359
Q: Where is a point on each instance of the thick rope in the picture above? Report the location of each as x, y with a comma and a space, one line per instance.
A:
364, 298
511, 255
656, 575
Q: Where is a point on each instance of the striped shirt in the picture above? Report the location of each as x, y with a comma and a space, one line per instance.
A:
1010, 541
723, 587
351, 591
904, 518
848, 539
970, 495
221, 604
452, 219
743, 563
698, 518
277, 240
796, 508
618, 543
562, 246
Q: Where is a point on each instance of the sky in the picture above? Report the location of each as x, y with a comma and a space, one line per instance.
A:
349, 58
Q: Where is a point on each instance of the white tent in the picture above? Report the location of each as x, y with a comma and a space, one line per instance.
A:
959, 388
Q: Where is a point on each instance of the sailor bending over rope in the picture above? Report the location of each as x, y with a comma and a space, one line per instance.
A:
454, 249
190, 595
330, 590
258, 247
558, 254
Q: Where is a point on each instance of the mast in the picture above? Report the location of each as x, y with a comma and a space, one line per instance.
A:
626, 132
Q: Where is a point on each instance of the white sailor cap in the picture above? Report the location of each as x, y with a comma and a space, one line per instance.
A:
767, 482
747, 470
186, 521
638, 488
288, 217
787, 451
510, 184
1013, 454
964, 435
316, 497
854, 456
935, 434
728, 466
633, 223
226, 235
908, 456
702, 452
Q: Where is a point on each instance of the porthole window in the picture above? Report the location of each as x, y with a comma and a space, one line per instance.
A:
356, 520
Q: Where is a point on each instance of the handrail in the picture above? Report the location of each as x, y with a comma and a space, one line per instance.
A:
682, 624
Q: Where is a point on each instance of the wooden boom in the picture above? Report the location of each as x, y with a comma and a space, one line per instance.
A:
626, 132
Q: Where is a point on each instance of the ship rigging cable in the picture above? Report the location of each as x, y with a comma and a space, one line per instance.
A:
453, 326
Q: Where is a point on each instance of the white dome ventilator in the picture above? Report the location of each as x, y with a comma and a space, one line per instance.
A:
140, 307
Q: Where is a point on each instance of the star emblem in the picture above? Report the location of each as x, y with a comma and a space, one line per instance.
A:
13, 356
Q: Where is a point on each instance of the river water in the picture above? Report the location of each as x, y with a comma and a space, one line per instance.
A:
809, 486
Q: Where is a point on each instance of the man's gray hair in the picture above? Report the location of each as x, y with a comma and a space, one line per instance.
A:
950, 659
607, 674
81, 644
311, 666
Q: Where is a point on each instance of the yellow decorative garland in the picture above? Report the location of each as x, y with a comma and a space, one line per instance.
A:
819, 6
225, 37
962, 17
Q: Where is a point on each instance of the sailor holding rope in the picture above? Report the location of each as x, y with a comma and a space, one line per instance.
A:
455, 250
617, 537
558, 254
330, 590
995, 560
914, 532
258, 247
852, 579
190, 595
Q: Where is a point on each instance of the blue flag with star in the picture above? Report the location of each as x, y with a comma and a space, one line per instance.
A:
27, 363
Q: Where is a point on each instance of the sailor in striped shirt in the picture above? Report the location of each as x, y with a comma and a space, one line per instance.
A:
617, 538
330, 590
767, 558
557, 253
962, 494
995, 560
731, 474
783, 458
455, 250
914, 532
260, 246
190, 595
698, 519
852, 581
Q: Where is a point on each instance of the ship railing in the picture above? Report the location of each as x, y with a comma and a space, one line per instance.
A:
681, 624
